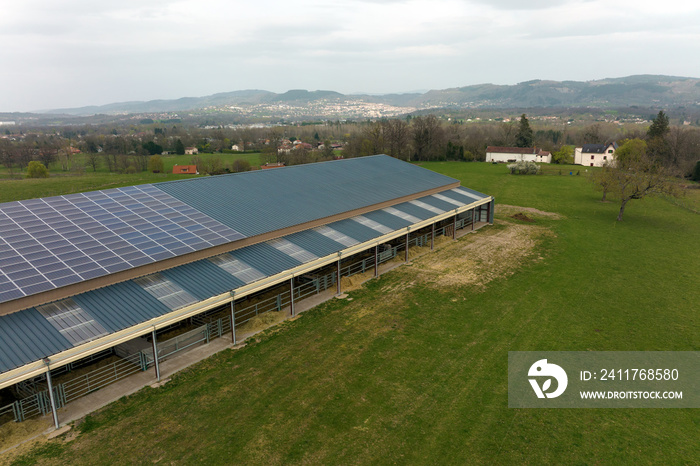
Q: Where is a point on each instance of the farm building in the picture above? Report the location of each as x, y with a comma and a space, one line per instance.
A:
129, 277
594, 155
517, 154
185, 170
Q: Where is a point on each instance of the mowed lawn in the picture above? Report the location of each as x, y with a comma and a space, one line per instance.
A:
419, 375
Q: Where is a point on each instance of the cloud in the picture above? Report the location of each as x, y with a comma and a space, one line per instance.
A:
81, 52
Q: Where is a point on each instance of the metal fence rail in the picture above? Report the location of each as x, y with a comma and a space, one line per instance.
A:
101, 377
275, 303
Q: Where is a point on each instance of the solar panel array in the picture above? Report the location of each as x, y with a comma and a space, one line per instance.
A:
53, 242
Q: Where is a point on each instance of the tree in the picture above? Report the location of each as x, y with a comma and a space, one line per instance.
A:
524, 137
636, 175
155, 164
179, 147
240, 165
397, 134
92, 159
563, 155
604, 178
37, 170
428, 137
659, 126
153, 148
696, 171
327, 151
8, 155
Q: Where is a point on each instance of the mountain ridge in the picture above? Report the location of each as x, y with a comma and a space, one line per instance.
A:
636, 90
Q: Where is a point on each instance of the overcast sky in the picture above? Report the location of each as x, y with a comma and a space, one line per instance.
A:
72, 53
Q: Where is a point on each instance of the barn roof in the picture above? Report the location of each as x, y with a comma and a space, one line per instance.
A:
79, 239
40, 331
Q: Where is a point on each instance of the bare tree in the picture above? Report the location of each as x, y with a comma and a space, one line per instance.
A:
397, 135
428, 137
637, 175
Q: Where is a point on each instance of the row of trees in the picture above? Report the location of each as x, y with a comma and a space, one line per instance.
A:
419, 138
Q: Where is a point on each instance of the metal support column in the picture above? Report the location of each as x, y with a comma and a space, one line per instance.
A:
454, 227
233, 320
338, 284
51, 397
376, 261
155, 355
432, 237
473, 218
291, 295
407, 247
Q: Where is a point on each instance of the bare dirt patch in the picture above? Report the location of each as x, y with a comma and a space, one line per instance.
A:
509, 210
478, 259
522, 217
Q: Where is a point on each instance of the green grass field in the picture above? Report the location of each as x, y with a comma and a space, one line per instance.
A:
59, 183
169, 161
419, 375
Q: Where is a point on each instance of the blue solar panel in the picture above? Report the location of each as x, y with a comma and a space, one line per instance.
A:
53, 242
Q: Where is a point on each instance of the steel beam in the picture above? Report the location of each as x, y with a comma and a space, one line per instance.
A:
376, 260
407, 247
155, 355
338, 287
233, 321
52, 399
291, 295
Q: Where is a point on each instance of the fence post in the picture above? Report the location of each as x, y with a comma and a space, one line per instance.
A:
279, 302
291, 295
376, 260
338, 287
51, 396
143, 360
233, 320
407, 247
206, 331
155, 355
17, 411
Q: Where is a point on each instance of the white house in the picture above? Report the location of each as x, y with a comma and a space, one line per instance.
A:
594, 155
191, 151
517, 154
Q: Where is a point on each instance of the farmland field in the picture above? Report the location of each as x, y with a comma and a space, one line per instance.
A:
414, 370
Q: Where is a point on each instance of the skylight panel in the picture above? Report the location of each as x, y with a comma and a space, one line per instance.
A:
464, 193
448, 199
237, 268
292, 250
427, 207
72, 321
376, 226
166, 291
401, 214
337, 236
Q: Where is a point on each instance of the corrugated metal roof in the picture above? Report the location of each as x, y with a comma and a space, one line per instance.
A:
355, 230
267, 200
388, 220
203, 279
120, 306
26, 336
